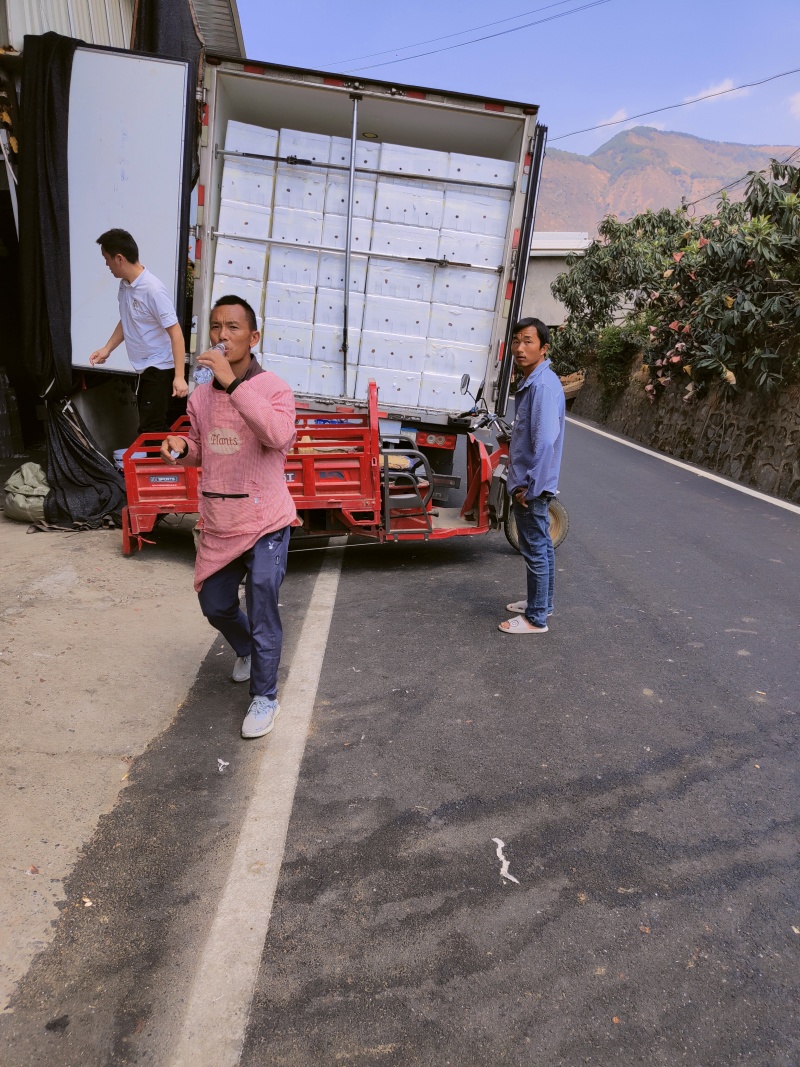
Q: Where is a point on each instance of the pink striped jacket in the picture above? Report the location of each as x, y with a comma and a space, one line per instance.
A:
241, 441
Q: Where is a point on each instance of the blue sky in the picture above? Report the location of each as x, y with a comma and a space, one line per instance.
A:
608, 61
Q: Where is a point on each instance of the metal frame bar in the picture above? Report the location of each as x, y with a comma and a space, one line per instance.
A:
348, 250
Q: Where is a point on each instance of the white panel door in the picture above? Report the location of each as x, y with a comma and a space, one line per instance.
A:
127, 137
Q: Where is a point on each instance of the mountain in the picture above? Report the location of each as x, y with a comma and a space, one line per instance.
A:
639, 169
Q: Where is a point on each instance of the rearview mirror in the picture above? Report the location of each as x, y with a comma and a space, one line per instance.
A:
464, 384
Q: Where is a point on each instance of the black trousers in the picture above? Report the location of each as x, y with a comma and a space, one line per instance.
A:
153, 396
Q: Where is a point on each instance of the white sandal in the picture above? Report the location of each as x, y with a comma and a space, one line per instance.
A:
521, 606
520, 625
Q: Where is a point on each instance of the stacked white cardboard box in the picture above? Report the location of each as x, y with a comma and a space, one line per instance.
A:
414, 328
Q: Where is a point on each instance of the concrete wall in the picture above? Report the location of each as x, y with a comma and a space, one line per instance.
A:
743, 437
538, 300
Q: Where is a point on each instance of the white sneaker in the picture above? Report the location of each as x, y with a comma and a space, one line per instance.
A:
241, 669
260, 717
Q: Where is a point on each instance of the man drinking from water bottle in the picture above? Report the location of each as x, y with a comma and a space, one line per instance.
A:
242, 426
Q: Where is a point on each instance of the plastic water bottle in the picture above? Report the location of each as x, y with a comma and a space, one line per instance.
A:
203, 375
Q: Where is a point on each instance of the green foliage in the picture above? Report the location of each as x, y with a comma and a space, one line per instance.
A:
718, 295
616, 346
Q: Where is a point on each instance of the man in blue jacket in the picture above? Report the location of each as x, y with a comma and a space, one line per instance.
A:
533, 467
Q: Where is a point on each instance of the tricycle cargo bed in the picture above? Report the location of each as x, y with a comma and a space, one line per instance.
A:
414, 203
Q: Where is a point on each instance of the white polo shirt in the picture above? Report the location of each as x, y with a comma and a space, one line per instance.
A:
145, 311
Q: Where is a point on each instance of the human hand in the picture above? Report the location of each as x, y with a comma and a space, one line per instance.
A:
179, 386
218, 363
171, 444
99, 356
519, 496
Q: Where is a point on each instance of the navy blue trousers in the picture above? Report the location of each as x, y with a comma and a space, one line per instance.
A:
259, 633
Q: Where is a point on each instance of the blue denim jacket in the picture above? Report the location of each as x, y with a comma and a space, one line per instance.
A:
538, 435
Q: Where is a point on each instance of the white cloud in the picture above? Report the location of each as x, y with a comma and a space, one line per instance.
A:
721, 87
794, 105
619, 116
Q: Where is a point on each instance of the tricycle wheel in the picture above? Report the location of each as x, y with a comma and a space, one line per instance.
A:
559, 525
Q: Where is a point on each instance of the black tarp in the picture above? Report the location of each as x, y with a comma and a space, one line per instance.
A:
85, 486
44, 212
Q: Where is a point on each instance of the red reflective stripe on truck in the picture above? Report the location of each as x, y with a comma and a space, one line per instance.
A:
526, 166
494, 107
416, 96
198, 249
515, 239
332, 81
205, 114
201, 195
500, 351
509, 290
252, 68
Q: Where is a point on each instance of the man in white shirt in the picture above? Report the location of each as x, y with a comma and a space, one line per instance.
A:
150, 329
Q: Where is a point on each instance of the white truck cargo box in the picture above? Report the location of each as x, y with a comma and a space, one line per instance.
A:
331, 272
294, 371
296, 266
404, 159
336, 194
465, 288
296, 187
249, 183
480, 169
440, 177
304, 145
441, 390
409, 242
245, 137
298, 227
385, 314
329, 310
291, 303
455, 358
392, 351
280, 338
394, 387
470, 211
406, 281
461, 324
244, 220
474, 248
334, 232
241, 259
326, 344
412, 205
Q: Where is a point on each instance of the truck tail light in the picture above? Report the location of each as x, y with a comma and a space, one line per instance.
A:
437, 440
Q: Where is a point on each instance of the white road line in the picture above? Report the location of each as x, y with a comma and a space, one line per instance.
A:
785, 504
219, 1004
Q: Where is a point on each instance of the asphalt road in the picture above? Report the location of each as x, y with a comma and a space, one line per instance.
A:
639, 762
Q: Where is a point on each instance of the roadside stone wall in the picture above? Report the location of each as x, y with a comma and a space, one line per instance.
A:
742, 437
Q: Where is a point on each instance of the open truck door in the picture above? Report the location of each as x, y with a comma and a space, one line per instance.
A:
129, 166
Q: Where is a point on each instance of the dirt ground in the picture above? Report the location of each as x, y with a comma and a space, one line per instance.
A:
97, 651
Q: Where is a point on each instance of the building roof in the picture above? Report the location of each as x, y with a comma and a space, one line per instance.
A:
219, 25
557, 243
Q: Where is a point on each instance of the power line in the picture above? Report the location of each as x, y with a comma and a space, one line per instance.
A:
744, 177
486, 37
671, 107
447, 36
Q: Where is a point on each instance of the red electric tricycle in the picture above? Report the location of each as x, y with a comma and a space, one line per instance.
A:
346, 478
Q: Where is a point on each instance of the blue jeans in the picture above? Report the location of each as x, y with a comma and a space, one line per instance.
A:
533, 525
259, 633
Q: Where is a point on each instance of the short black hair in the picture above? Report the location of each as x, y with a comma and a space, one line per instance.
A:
536, 324
119, 242
231, 298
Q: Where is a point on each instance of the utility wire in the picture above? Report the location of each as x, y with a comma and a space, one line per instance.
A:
744, 177
445, 37
671, 107
476, 40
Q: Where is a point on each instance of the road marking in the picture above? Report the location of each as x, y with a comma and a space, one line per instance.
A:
785, 504
219, 1003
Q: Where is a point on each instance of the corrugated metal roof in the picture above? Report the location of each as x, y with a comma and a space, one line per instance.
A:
220, 28
103, 22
